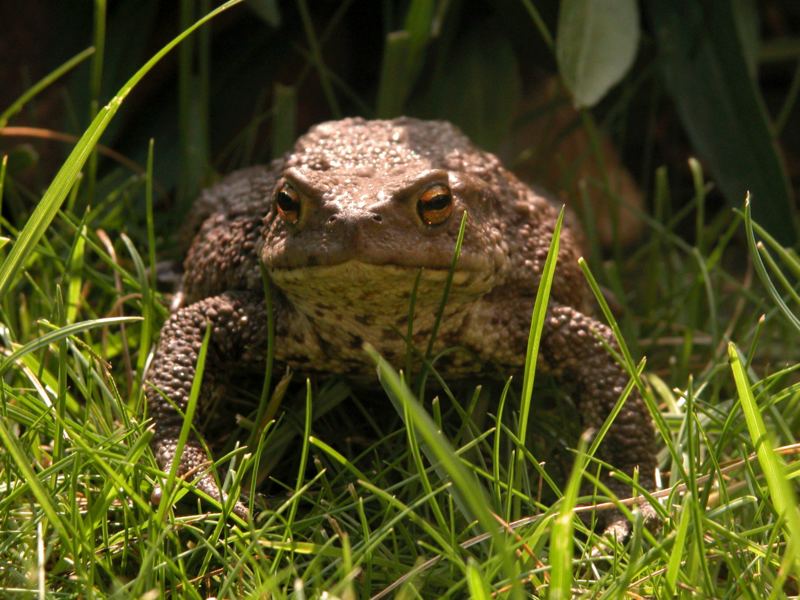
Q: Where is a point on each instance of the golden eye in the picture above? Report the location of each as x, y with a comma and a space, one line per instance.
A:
435, 204
287, 202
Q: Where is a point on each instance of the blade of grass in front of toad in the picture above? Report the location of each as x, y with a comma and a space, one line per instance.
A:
183, 435
781, 492
478, 588
301, 473
264, 410
426, 366
561, 535
147, 329
147, 311
532, 351
67, 175
625, 357
677, 554
59, 334
3, 168
63, 526
469, 494
414, 449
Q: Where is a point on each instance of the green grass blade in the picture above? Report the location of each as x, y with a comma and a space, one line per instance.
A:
466, 488
391, 90
410, 511
478, 589
788, 257
301, 470
55, 194
561, 536
95, 83
626, 356
414, 449
761, 270
75, 272
3, 168
318, 60
149, 218
188, 418
448, 284
403, 55
537, 325
147, 304
42, 496
539, 22
677, 555
193, 117
337, 457
284, 118
263, 413
772, 465
59, 334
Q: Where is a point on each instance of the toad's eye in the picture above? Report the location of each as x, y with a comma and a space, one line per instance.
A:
435, 204
287, 201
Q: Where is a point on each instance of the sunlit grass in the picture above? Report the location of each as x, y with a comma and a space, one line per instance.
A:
372, 490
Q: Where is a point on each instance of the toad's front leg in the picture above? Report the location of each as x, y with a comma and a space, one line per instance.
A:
238, 337
572, 346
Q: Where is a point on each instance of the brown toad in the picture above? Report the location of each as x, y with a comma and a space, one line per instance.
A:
343, 224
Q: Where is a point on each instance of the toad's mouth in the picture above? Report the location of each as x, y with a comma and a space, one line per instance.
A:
411, 259
348, 278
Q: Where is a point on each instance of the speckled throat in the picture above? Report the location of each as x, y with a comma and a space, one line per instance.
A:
340, 307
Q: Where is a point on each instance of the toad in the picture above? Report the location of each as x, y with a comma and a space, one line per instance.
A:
345, 225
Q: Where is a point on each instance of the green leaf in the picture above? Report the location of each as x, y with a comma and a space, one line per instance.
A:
748, 25
596, 43
704, 69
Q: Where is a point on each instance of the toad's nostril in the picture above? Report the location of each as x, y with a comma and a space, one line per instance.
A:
377, 218
332, 219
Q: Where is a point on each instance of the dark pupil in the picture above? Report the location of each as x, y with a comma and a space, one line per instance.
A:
286, 203
438, 202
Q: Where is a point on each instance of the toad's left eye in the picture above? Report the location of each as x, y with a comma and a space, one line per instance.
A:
287, 201
435, 204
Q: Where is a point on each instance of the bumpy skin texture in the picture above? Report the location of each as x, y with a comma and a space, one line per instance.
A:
342, 275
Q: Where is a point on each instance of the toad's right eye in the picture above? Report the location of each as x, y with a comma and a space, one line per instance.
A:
287, 202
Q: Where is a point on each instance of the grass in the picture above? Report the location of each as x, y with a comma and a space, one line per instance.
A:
391, 492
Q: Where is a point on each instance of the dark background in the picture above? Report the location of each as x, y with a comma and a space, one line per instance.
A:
483, 68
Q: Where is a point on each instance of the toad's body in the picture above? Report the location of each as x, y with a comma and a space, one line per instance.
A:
343, 225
